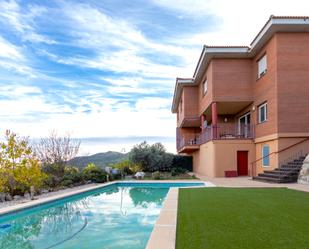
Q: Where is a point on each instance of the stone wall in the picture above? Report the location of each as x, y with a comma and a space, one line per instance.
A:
304, 173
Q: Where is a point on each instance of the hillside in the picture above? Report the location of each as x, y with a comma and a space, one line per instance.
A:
99, 159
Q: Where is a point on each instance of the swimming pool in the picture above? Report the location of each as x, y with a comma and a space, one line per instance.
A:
120, 215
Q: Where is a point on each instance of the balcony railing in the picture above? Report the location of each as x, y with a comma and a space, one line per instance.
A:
190, 139
218, 132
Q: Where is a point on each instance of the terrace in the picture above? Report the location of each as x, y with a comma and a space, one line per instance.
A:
189, 142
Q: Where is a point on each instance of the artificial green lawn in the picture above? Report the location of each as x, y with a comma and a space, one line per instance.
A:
218, 218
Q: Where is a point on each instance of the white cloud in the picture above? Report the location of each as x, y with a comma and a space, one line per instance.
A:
18, 90
9, 50
106, 123
120, 46
12, 58
11, 13
124, 81
238, 21
18, 108
153, 103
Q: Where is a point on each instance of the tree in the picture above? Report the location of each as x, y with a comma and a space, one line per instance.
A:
19, 168
55, 151
151, 157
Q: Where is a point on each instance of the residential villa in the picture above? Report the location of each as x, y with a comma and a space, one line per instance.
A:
246, 108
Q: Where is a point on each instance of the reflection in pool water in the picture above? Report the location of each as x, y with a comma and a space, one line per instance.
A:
113, 217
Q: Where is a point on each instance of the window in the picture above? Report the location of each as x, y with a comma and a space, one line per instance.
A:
265, 153
262, 113
244, 125
180, 106
262, 66
205, 86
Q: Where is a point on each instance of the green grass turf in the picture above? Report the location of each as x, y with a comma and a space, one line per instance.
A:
218, 218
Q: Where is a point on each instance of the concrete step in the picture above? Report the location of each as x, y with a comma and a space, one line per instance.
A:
286, 173
281, 172
274, 180
290, 167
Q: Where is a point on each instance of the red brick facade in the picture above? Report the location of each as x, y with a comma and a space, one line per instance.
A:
233, 84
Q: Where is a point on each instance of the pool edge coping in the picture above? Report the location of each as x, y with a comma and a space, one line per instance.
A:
44, 200
164, 231
163, 234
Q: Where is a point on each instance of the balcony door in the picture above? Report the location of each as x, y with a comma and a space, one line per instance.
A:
244, 125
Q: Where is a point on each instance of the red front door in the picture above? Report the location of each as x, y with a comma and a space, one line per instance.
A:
242, 163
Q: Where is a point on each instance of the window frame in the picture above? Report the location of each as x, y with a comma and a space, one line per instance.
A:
260, 73
205, 89
265, 158
265, 115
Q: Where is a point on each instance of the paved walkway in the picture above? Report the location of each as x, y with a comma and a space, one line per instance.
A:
247, 182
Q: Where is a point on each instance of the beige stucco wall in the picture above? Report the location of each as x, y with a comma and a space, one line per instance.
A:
276, 145
216, 157
273, 159
204, 160
293, 151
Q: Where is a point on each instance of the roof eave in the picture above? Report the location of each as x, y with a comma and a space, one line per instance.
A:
218, 52
180, 82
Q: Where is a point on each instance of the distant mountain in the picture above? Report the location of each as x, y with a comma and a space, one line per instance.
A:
100, 159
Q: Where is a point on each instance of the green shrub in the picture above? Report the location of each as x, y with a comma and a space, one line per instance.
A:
123, 166
136, 168
127, 167
71, 176
180, 161
178, 171
113, 177
67, 183
94, 174
156, 175
52, 181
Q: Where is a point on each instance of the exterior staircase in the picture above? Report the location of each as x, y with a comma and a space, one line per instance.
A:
286, 173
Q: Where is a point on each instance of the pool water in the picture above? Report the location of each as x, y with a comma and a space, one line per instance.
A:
120, 215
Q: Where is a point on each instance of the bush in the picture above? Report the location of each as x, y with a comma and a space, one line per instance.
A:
156, 175
113, 177
19, 168
128, 167
67, 183
123, 166
184, 162
136, 168
178, 171
72, 176
94, 174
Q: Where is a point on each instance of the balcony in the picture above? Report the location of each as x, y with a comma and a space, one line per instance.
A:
189, 122
188, 143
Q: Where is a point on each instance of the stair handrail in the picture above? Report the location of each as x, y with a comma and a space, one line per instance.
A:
296, 155
275, 152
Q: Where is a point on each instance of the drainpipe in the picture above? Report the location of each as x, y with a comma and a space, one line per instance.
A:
203, 118
214, 118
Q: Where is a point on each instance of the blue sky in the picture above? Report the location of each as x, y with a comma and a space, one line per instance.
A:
107, 68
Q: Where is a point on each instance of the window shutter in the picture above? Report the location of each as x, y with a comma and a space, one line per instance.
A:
262, 66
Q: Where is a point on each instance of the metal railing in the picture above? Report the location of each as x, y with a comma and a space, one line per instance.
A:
187, 140
299, 153
223, 131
